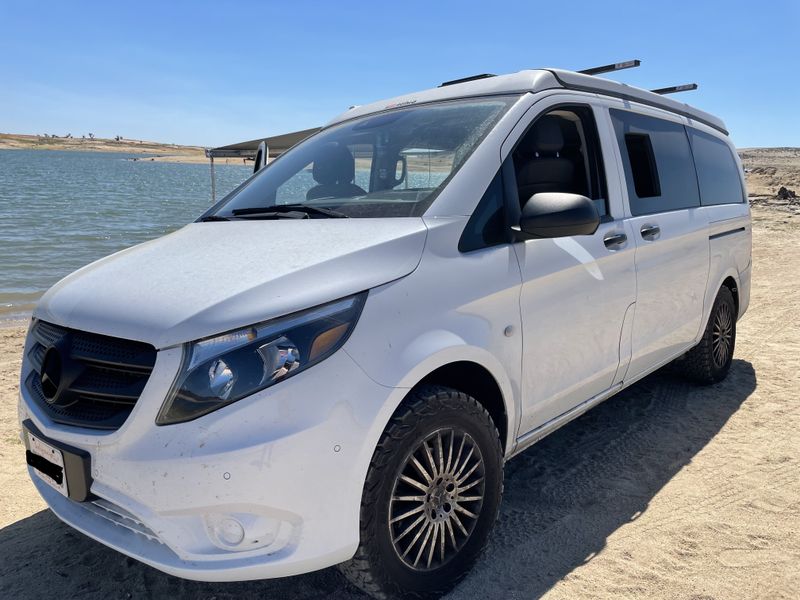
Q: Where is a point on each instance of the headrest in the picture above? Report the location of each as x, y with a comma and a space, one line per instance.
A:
334, 164
545, 137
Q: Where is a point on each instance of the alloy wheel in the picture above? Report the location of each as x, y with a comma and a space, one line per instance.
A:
437, 499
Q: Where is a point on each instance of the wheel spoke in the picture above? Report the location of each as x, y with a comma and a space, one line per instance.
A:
430, 458
464, 511
452, 533
409, 529
414, 482
469, 498
428, 530
409, 498
413, 511
450, 453
464, 464
418, 466
416, 537
468, 473
441, 540
464, 488
433, 542
459, 524
439, 452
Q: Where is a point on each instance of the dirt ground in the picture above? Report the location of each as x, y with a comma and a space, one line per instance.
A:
664, 491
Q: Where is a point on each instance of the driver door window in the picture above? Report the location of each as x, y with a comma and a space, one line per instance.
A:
561, 153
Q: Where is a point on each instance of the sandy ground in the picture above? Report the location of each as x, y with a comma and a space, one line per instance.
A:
665, 491
767, 169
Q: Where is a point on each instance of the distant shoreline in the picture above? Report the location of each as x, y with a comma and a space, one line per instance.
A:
158, 152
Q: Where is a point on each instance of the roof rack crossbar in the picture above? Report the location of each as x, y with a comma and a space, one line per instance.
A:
674, 89
628, 64
465, 79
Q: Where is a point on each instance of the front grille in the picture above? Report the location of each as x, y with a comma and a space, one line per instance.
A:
112, 375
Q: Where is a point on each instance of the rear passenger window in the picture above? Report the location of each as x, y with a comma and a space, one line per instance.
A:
658, 163
643, 165
717, 171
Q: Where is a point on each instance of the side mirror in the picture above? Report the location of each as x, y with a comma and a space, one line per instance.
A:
261, 157
400, 170
551, 215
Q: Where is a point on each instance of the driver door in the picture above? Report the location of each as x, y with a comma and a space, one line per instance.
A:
577, 292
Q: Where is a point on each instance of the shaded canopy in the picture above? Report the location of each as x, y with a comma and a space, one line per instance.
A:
277, 144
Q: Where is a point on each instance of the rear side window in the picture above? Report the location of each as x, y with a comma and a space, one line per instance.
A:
717, 172
658, 164
643, 165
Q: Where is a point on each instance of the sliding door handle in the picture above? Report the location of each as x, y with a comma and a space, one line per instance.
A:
615, 241
650, 232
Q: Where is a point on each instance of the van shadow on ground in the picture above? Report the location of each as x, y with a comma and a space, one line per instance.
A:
563, 498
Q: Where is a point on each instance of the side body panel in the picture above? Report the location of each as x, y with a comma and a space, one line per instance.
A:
575, 295
671, 273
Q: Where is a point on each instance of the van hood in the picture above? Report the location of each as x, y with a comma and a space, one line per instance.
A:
208, 278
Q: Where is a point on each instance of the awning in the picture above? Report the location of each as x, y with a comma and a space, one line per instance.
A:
277, 144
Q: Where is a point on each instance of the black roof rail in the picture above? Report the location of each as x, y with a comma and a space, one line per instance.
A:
465, 79
628, 64
686, 87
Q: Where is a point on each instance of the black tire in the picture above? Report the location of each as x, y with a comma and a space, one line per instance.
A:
710, 361
447, 419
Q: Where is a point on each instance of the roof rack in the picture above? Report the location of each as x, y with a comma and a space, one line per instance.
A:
686, 87
465, 79
628, 64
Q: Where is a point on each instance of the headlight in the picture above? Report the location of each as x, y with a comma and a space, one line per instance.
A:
223, 369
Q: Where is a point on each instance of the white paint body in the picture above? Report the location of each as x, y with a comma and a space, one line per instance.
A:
290, 461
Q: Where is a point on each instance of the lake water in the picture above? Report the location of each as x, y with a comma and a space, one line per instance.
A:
60, 210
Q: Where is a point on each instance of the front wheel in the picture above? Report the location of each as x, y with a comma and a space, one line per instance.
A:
431, 497
710, 361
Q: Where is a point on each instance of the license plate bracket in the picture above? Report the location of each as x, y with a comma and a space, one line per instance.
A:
64, 468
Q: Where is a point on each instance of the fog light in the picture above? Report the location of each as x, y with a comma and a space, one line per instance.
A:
230, 532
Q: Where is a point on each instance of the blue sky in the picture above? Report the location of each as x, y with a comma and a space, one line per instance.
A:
212, 73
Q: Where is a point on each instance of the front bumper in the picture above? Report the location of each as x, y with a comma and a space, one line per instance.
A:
287, 464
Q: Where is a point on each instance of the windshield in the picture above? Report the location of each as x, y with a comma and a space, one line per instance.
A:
392, 164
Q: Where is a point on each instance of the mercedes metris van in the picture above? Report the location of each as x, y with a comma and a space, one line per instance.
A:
333, 363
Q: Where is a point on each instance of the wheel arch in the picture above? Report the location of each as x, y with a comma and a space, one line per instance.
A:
471, 370
474, 380
729, 279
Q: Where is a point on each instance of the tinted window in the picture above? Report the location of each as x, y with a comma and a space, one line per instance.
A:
658, 163
643, 165
717, 171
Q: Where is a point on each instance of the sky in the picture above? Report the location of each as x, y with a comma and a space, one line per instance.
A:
213, 73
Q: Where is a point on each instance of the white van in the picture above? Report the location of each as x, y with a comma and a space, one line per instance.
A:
334, 362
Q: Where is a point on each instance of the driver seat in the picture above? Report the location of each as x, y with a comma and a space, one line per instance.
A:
334, 171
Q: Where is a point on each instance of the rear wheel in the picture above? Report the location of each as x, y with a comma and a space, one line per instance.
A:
710, 361
431, 497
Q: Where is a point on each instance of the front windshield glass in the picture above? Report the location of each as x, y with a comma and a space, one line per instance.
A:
392, 164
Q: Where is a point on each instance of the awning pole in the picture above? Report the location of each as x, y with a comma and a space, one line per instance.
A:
213, 182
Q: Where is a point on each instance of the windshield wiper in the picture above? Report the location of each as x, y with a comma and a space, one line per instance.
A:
287, 211
211, 218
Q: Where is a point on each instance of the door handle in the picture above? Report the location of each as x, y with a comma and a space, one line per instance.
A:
651, 232
614, 241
